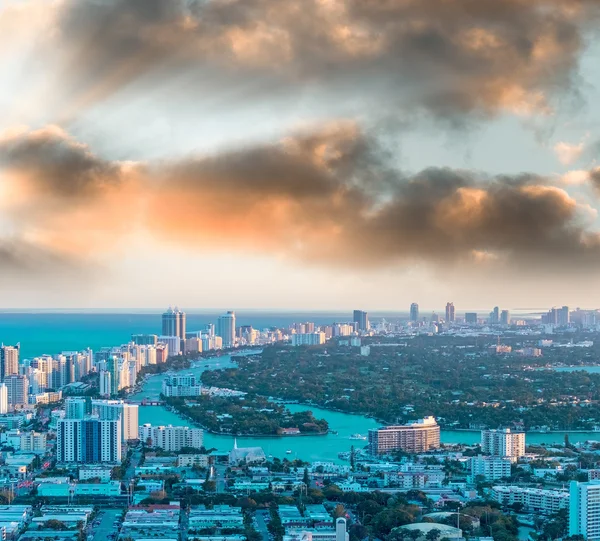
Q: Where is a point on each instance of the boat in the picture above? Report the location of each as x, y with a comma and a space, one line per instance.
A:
358, 437
289, 451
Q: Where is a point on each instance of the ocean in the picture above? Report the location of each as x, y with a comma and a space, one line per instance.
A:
50, 333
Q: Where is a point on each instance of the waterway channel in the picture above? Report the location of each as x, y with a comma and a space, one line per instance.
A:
311, 448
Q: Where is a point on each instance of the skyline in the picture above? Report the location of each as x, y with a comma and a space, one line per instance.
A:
252, 154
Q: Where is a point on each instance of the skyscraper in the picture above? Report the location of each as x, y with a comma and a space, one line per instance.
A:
504, 443
361, 319
127, 414
414, 312
9, 360
75, 408
88, 440
584, 509
226, 329
495, 316
505, 317
174, 323
449, 312
18, 390
3, 398
563, 316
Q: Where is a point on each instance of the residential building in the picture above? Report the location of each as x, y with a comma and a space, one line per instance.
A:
533, 500
414, 312
471, 318
174, 323
308, 339
187, 461
144, 339
490, 468
88, 441
17, 390
173, 344
33, 442
127, 414
171, 438
504, 443
361, 320
414, 437
181, 385
584, 510
226, 329
9, 360
75, 408
105, 383
3, 398
220, 516
95, 472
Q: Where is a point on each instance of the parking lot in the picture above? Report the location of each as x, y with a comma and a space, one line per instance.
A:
106, 525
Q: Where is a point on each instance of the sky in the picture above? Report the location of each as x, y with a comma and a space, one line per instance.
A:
323, 154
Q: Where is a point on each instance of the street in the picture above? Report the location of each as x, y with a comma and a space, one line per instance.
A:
261, 524
107, 528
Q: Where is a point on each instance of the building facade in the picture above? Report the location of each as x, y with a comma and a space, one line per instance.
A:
171, 438
584, 509
415, 437
503, 443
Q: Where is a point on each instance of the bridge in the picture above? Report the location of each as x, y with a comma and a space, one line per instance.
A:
145, 402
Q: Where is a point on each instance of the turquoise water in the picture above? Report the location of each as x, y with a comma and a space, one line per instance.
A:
42, 332
313, 448
590, 369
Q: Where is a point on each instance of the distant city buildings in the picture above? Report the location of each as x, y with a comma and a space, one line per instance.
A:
361, 319
9, 361
450, 315
308, 339
414, 437
414, 312
174, 323
503, 443
226, 329
471, 318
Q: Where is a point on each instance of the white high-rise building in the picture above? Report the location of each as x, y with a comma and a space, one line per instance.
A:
172, 438
105, 381
503, 443
18, 390
173, 343
3, 398
584, 510
88, 441
226, 329
308, 339
9, 360
127, 414
74, 408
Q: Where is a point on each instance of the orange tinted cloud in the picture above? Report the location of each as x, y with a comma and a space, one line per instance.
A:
328, 197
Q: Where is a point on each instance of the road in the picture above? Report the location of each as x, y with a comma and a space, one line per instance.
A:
261, 524
106, 528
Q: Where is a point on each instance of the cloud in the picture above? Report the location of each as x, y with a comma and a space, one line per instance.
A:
55, 162
327, 197
568, 153
449, 58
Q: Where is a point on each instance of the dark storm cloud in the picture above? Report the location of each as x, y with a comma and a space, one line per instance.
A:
450, 57
330, 197
58, 165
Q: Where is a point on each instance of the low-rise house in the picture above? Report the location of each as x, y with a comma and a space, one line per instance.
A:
221, 517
